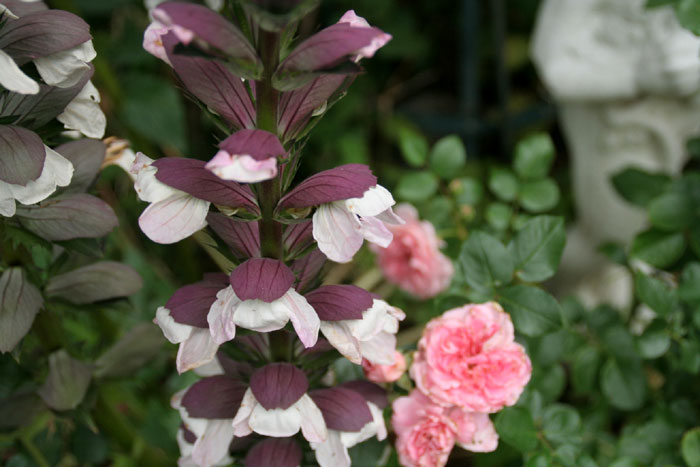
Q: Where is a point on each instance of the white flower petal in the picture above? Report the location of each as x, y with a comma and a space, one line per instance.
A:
174, 218
66, 68
220, 316
57, 171
172, 330
84, 114
13, 78
303, 317
7, 201
332, 452
261, 316
241, 426
339, 336
196, 351
6, 13
373, 202
337, 232
376, 232
212, 446
185, 447
380, 349
372, 322
278, 423
212, 368
147, 186
313, 427
389, 217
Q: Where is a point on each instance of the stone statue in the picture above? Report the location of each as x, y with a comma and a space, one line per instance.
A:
626, 81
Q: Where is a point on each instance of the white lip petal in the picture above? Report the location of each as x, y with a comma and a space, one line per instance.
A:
84, 114
303, 317
313, 427
212, 446
57, 171
66, 68
196, 351
376, 232
278, 423
261, 316
220, 316
373, 202
337, 232
13, 78
380, 349
174, 218
332, 452
240, 424
172, 330
339, 336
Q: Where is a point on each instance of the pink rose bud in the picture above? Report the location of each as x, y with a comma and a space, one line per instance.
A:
385, 373
413, 260
468, 358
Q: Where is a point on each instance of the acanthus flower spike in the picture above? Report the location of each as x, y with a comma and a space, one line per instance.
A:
247, 156
183, 321
277, 404
261, 297
350, 207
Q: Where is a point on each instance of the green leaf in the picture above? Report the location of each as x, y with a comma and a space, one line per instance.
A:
614, 252
417, 186
560, 423
534, 311
485, 262
498, 215
655, 294
689, 288
658, 3
413, 146
448, 157
625, 462
660, 249
639, 187
623, 384
549, 382
584, 369
690, 356
39, 249
539, 195
690, 447
515, 426
551, 347
655, 341
671, 211
688, 13
468, 191
534, 156
503, 184
537, 248
694, 239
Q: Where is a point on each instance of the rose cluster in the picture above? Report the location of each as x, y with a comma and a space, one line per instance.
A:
264, 333
466, 367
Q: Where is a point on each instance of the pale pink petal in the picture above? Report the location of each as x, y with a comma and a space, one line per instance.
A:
376, 232
172, 330
174, 218
197, 350
474, 431
339, 336
212, 446
220, 316
242, 168
331, 452
337, 232
303, 317
278, 423
153, 42
313, 427
373, 202
389, 217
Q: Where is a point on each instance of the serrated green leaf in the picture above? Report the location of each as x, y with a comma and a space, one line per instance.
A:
560, 423
498, 215
660, 249
584, 369
516, 427
534, 311
503, 183
417, 186
534, 156
654, 341
671, 211
623, 384
539, 195
655, 294
413, 146
690, 447
639, 187
688, 12
537, 248
485, 262
448, 156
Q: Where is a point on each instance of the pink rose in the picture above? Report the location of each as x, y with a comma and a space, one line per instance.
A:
427, 432
468, 358
385, 373
413, 260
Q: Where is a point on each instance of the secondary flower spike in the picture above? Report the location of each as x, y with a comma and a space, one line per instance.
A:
247, 156
350, 207
183, 321
276, 404
261, 297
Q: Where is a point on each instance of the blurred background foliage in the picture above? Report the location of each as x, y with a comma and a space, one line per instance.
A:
451, 117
